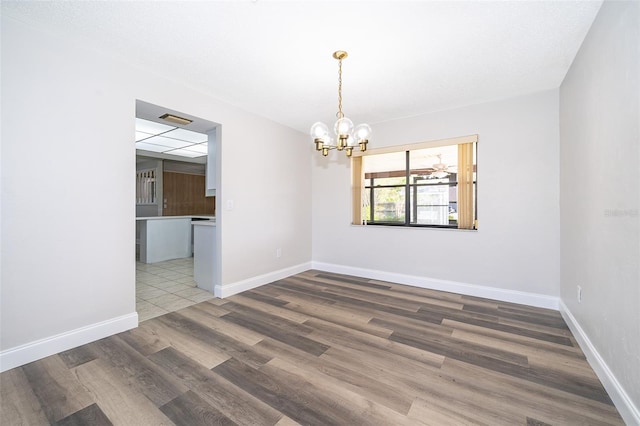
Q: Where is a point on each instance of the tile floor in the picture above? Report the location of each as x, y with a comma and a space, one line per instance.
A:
165, 287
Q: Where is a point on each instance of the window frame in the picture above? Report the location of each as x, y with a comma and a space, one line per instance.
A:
466, 181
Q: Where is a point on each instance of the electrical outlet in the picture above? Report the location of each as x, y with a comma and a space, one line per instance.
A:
579, 294
278, 252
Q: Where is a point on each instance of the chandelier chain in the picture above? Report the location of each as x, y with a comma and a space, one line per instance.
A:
340, 114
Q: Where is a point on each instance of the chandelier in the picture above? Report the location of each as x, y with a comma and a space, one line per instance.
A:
347, 137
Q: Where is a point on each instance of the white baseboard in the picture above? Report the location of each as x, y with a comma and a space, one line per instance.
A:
250, 283
39, 349
513, 296
627, 409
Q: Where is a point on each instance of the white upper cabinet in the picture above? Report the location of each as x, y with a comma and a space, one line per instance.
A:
211, 162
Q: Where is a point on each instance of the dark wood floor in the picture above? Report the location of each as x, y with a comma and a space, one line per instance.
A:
321, 349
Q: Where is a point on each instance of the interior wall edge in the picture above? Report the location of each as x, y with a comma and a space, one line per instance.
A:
628, 410
504, 295
33, 351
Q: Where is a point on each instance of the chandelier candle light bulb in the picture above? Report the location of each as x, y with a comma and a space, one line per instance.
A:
347, 137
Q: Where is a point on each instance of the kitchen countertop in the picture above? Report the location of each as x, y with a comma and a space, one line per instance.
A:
203, 223
210, 218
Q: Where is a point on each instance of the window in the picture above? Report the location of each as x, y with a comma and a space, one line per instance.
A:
431, 184
146, 186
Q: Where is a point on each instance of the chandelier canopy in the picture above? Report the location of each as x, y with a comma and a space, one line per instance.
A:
347, 136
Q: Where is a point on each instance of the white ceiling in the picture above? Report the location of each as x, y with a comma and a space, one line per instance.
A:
273, 58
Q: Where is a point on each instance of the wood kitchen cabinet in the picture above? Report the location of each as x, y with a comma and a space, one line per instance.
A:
184, 194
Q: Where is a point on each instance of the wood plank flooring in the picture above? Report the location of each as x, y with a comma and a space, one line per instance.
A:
321, 349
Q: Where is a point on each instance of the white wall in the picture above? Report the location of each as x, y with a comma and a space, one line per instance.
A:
517, 245
600, 192
72, 268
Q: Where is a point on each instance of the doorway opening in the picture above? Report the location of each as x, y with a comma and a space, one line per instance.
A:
176, 156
